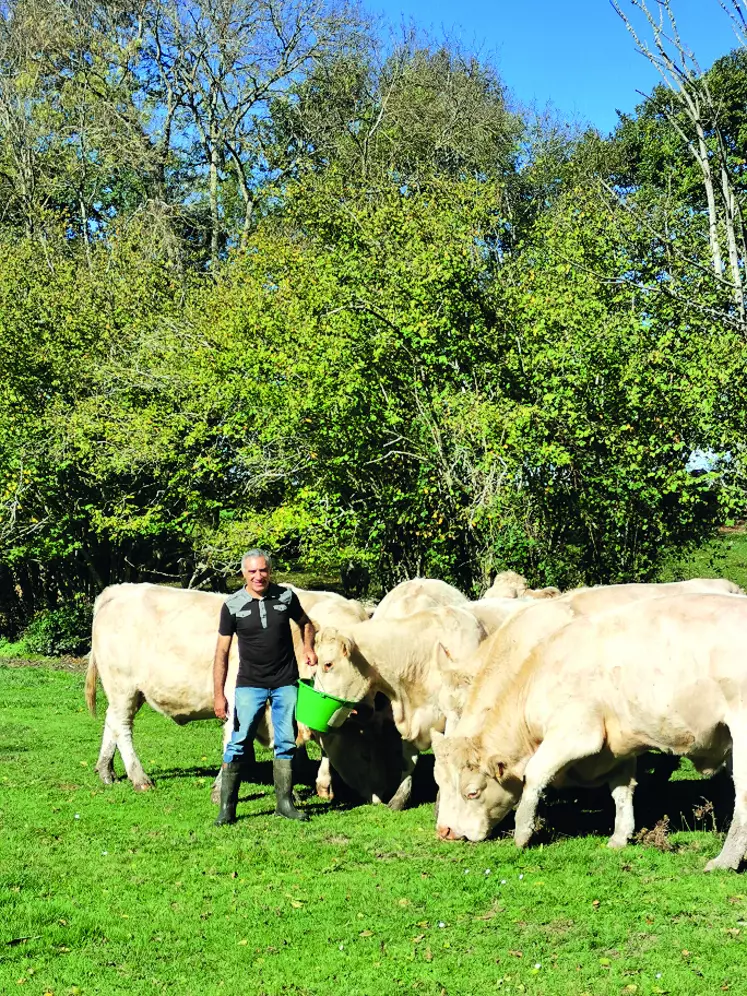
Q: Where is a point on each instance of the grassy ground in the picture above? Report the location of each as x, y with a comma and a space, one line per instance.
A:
724, 557
105, 891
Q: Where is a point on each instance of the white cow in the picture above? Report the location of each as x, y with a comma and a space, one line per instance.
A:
397, 657
531, 621
664, 673
418, 595
509, 584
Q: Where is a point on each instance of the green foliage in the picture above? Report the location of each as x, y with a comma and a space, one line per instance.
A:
64, 630
449, 343
614, 402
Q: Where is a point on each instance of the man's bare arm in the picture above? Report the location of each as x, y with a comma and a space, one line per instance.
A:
220, 671
308, 632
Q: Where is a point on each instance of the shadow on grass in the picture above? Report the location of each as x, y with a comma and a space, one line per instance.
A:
697, 804
196, 771
260, 774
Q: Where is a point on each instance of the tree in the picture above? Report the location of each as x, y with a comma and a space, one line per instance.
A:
694, 113
423, 111
224, 63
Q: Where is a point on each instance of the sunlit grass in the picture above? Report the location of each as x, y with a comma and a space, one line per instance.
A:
106, 891
725, 556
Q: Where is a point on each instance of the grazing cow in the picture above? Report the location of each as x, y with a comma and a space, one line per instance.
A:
397, 657
155, 644
521, 631
509, 584
472, 688
665, 673
418, 595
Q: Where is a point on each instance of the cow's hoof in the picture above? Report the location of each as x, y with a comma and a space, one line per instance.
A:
616, 843
143, 786
522, 837
716, 865
325, 792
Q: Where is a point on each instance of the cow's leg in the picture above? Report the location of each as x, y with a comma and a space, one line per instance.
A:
119, 719
105, 763
622, 785
409, 759
560, 748
735, 845
324, 779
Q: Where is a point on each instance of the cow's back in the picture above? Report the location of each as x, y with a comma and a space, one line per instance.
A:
502, 655
668, 670
418, 595
604, 597
161, 642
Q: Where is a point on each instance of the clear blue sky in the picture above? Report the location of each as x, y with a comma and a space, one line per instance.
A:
573, 54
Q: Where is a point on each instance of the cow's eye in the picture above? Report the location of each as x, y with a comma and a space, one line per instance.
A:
473, 794
327, 665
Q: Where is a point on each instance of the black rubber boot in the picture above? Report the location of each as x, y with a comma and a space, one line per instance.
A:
229, 792
249, 763
282, 775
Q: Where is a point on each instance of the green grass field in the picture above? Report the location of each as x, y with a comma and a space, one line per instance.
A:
723, 557
105, 891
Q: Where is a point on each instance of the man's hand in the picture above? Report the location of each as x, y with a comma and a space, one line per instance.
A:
220, 706
311, 659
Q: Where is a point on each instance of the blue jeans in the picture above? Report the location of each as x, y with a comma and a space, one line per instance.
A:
249, 706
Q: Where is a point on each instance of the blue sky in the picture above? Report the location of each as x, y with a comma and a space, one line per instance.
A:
573, 54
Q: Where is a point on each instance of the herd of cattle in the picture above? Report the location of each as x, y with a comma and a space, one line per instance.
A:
516, 692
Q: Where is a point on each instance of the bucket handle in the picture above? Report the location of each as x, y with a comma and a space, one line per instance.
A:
314, 681
313, 685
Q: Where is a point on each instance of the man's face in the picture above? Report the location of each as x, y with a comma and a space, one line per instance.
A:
257, 575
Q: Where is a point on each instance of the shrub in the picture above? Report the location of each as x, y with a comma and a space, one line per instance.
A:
64, 630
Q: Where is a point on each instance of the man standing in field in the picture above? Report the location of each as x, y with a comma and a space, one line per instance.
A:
259, 615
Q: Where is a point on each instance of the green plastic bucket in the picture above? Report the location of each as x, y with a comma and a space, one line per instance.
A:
318, 710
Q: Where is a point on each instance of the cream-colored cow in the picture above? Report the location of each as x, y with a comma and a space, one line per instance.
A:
518, 635
418, 595
397, 657
665, 673
509, 584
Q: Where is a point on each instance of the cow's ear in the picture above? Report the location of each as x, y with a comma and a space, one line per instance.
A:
345, 647
496, 767
444, 660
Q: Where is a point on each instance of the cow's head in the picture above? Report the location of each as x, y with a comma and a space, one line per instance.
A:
342, 671
475, 792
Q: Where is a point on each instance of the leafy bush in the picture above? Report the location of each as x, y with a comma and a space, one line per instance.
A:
64, 630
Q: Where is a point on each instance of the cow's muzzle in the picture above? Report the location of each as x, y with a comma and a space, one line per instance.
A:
446, 833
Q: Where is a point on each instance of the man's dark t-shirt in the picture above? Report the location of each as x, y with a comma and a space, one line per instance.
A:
263, 634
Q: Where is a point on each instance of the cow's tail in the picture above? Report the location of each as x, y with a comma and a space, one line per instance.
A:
92, 675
